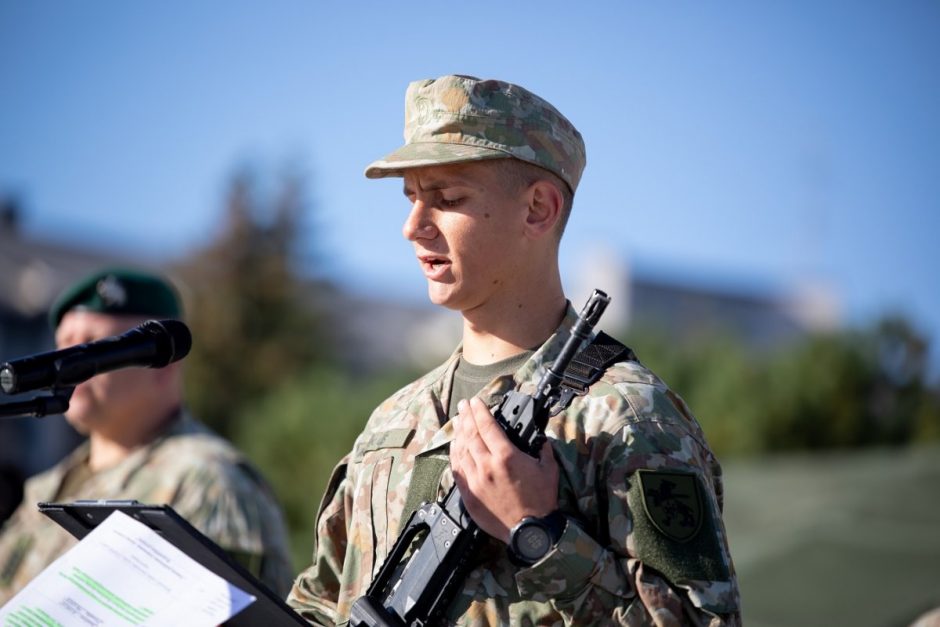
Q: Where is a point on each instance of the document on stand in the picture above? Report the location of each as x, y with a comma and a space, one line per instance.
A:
124, 573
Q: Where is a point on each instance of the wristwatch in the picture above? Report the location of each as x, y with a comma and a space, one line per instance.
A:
533, 537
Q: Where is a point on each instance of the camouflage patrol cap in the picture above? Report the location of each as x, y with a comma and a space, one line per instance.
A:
461, 118
119, 291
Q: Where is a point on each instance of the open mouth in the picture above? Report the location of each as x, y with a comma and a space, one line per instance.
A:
432, 261
433, 265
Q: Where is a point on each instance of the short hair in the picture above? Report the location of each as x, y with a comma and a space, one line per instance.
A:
516, 175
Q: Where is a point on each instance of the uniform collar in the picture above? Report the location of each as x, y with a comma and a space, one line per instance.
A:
525, 379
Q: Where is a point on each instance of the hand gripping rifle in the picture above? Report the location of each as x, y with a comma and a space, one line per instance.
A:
421, 592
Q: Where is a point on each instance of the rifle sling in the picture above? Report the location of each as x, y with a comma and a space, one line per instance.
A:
588, 366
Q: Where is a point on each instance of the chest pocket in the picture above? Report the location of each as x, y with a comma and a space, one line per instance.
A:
380, 493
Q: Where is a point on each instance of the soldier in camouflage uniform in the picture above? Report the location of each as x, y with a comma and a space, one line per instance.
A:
626, 486
142, 445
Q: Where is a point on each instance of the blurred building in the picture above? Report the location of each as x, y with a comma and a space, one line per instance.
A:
685, 303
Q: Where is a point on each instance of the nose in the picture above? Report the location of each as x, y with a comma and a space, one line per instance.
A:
419, 223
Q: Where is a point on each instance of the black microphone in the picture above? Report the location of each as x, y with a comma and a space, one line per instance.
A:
153, 344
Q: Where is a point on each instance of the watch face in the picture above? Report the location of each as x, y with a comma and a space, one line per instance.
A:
532, 542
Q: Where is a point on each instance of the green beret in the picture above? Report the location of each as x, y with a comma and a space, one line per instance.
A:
119, 291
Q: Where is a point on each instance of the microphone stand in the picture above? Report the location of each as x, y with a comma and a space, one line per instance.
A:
40, 406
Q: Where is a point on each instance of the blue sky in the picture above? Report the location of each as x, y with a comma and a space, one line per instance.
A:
754, 145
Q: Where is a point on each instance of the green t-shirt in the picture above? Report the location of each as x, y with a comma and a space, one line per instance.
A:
470, 378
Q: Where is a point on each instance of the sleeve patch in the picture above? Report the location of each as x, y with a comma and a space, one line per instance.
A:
672, 502
675, 526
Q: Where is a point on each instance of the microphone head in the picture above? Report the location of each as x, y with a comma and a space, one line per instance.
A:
173, 340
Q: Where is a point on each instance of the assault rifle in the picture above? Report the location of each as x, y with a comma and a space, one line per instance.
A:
420, 593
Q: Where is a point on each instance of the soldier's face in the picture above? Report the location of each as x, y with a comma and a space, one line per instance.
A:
106, 400
466, 226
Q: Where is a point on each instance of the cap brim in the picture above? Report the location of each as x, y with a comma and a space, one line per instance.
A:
419, 155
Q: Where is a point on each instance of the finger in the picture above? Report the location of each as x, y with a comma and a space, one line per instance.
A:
489, 430
460, 420
462, 457
475, 452
464, 415
547, 455
456, 453
458, 450
465, 426
471, 438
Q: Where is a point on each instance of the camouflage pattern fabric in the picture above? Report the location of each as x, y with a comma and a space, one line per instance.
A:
188, 467
461, 118
627, 422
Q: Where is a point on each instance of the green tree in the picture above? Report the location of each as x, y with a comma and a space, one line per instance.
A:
845, 389
851, 389
299, 432
254, 318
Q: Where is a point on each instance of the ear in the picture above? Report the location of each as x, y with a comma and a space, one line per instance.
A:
544, 210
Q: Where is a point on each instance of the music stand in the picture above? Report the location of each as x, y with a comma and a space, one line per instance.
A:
81, 517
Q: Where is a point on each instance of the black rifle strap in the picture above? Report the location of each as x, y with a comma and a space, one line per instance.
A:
588, 366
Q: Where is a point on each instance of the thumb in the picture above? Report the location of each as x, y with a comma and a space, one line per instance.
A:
547, 454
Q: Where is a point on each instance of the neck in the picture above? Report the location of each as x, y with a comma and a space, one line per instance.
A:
107, 449
105, 452
520, 320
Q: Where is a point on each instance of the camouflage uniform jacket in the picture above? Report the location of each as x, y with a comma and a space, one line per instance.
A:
188, 467
629, 423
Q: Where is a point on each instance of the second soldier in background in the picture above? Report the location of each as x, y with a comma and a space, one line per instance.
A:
142, 444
